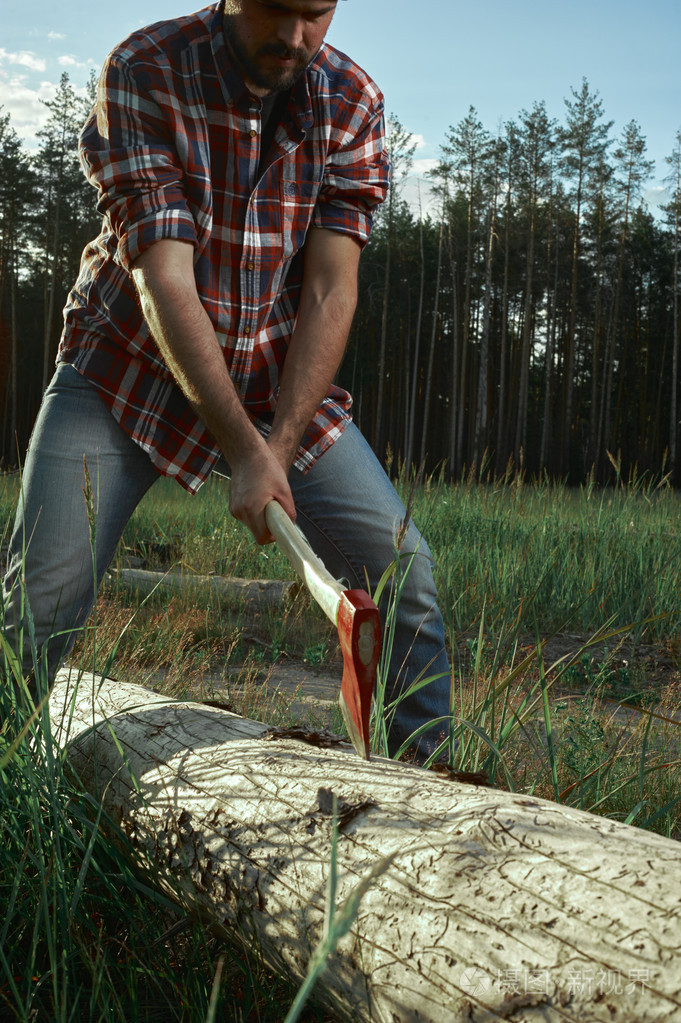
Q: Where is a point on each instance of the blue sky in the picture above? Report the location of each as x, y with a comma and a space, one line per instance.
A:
432, 59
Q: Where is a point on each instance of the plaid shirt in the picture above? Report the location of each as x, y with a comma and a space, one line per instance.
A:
173, 148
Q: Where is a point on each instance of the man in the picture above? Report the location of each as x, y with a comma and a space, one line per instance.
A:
237, 160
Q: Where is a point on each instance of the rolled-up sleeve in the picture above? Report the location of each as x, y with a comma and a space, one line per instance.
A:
132, 155
357, 170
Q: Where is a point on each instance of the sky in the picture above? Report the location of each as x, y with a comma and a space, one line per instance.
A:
433, 60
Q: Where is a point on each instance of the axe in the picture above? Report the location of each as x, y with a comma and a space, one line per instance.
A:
352, 611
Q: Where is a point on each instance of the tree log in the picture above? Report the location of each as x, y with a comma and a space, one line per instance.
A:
497, 906
264, 592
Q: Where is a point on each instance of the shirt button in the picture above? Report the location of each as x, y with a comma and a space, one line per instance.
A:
247, 331
250, 266
253, 133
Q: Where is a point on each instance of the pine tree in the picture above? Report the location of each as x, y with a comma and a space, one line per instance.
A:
584, 140
16, 194
537, 140
634, 170
673, 216
61, 228
469, 151
401, 149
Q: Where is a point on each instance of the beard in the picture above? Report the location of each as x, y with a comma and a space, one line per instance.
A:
258, 72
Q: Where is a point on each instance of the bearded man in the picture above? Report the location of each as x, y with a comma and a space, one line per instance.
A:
237, 159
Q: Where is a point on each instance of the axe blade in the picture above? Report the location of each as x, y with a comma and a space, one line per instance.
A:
355, 615
359, 634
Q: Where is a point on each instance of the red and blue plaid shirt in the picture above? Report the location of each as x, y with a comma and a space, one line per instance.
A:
173, 148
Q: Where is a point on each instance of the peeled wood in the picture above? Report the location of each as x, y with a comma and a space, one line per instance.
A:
496, 906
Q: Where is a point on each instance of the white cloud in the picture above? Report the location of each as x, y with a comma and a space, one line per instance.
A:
27, 112
419, 140
25, 105
656, 197
56, 35
421, 167
24, 58
417, 190
68, 60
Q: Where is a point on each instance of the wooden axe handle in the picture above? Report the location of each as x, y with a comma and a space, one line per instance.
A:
326, 590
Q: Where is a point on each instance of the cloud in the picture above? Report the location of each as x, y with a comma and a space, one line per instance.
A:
26, 106
68, 60
656, 197
417, 190
24, 58
421, 167
55, 35
27, 112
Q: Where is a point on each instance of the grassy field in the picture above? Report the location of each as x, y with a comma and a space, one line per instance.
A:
562, 610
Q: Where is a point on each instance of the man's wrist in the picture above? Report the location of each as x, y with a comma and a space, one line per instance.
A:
243, 447
284, 448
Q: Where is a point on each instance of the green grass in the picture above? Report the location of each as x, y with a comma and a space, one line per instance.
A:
85, 932
170, 527
581, 556
85, 935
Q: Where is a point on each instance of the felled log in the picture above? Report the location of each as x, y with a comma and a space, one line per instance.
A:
495, 907
264, 592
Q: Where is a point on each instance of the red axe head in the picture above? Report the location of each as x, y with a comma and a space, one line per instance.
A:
359, 634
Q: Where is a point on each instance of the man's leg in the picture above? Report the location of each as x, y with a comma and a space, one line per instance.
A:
351, 514
51, 548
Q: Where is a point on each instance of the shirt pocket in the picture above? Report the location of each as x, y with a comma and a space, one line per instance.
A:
297, 199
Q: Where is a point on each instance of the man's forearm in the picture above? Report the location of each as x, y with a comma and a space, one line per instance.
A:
327, 306
187, 341
315, 353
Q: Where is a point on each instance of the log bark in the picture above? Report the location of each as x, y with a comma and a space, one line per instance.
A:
264, 592
497, 906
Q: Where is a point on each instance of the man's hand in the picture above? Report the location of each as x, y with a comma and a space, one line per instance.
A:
253, 484
164, 277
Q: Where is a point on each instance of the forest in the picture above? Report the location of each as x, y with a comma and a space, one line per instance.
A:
529, 319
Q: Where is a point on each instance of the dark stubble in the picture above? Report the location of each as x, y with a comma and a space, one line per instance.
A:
271, 78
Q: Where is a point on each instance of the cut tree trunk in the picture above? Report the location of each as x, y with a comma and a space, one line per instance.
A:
496, 906
265, 592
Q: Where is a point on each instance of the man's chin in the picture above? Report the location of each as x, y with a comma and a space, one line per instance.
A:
279, 80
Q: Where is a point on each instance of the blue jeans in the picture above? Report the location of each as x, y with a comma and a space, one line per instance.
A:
346, 506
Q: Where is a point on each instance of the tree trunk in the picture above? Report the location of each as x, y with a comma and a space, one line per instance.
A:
502, 445
481, 413
569, 366
495, 906
676, 276
268, 592
528, 330
552, 305
433, 341
594, 456
51, 280
378, 420
454, 413
409, 447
